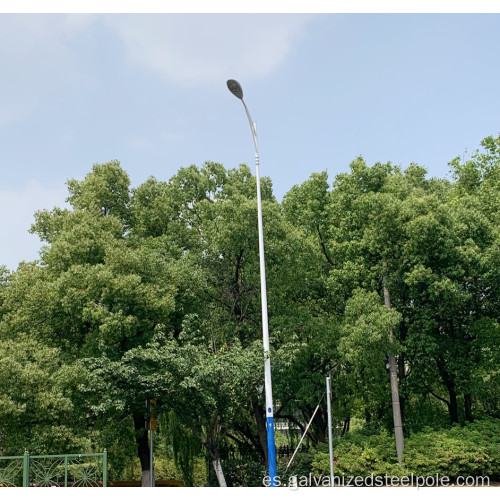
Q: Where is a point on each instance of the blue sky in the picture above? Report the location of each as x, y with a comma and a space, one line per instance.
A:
150, 91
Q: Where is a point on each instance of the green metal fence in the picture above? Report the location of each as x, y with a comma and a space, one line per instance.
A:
85, 469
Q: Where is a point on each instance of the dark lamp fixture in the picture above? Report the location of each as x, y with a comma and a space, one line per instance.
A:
235, 88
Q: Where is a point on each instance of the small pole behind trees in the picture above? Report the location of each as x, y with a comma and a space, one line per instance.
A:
330, 441
105, 468
26, 469
396, 408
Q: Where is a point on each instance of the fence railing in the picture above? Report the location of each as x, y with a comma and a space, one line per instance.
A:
80, 470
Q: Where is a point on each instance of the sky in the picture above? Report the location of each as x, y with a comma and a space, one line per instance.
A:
150, 91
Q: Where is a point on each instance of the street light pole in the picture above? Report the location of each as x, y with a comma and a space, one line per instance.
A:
235, 89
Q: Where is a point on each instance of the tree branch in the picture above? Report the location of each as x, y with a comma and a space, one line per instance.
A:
323, 246
439, 397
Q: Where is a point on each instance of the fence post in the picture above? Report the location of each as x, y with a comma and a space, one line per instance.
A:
26, 469
104, 468
66, 471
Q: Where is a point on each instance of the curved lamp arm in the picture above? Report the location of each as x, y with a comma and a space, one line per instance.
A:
235, 89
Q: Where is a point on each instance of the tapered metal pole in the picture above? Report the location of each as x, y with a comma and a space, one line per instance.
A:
26, 469
271, 449
396, 407
236, 90
330, 440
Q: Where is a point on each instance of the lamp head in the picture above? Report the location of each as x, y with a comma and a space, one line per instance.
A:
235, 88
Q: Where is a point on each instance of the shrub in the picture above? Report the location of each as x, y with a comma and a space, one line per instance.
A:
460, 451
242, 471
301, 465
357, 454
471, 450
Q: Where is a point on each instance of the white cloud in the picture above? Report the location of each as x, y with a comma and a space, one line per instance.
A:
39, 56
17, 208
197, 49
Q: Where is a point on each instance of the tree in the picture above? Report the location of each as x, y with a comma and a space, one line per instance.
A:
98, 291
36, 410
153, 292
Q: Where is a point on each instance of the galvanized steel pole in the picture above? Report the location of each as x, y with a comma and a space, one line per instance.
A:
236, 90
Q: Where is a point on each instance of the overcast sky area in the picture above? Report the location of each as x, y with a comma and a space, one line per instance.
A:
150, 91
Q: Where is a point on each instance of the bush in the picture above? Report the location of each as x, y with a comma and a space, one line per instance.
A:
471, 450
240, 471
301, 466
250, 471
165, 468
460, 451
358, 454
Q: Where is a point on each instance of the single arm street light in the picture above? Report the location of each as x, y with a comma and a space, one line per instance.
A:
236, 90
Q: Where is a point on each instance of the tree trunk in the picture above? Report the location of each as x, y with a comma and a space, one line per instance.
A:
141, 439
214, 456
258, 412
401, 377
396, 409
453, 405
320, 426
468, 407
347, 423
219, 472
368, 415
146, 478
450, 386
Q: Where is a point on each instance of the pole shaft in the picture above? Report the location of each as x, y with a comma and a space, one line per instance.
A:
330, 440
271, 447
26, 469
396, 407
105, 468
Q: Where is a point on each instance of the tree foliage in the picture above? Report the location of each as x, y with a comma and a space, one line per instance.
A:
154, 292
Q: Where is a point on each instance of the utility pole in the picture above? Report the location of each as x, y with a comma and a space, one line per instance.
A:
396, 408
330, 441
